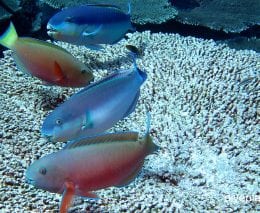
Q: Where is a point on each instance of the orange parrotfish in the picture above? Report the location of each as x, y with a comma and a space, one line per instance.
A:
48, 62
92, 163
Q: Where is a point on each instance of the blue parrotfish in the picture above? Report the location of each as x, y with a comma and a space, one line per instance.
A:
90, 25
97, 107
48, 62
91, 163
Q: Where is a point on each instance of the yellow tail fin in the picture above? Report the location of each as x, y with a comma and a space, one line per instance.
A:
9, 37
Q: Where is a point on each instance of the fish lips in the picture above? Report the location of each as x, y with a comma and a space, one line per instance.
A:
48, 135
30, 181
51, 31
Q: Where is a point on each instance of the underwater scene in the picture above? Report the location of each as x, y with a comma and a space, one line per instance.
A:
129, 106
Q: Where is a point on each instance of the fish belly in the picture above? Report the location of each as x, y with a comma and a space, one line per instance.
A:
102, 165
39, 59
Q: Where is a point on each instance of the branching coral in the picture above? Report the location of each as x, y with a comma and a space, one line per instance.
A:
8, 7
152, 11
227, 15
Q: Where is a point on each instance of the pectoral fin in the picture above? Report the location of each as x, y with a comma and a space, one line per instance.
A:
67, 197
87, 121
94, 32
58, 74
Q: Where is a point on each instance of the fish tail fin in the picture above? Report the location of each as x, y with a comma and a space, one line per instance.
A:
9, 37
141, 73
151, 147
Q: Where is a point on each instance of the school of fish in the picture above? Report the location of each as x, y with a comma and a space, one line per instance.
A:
92, 158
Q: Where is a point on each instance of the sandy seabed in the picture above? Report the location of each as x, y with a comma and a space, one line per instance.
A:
203, 98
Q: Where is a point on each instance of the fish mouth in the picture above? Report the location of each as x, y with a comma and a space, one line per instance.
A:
30, 181
51, 30
48, 137
47, 133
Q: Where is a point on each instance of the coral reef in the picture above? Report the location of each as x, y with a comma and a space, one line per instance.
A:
152, 11
203, 100
8, 7
226, 15
242, 43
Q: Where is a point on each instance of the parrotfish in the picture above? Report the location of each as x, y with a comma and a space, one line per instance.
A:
95, 108
90, 25
92, 163
48, 62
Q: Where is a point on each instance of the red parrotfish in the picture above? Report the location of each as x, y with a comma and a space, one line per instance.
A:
48, 62
92, 163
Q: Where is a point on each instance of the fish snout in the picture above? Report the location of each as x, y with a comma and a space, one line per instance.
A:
51, 30
29, 181
48, 137
47, 132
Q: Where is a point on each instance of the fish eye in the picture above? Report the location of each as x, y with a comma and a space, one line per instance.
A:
43, 171
83, 71
58, 122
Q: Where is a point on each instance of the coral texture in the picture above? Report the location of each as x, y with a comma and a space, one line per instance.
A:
203, 101
8, 7
227, 15
152, 11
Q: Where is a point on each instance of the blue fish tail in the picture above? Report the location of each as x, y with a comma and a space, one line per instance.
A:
140, 72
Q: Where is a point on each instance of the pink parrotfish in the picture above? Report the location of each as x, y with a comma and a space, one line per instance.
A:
95, 108
92, 163
48, 62
90, 25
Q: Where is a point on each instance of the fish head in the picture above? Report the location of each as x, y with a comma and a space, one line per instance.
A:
61, 125
63, 26
45, 174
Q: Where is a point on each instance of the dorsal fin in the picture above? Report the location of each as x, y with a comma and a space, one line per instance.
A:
103, 138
